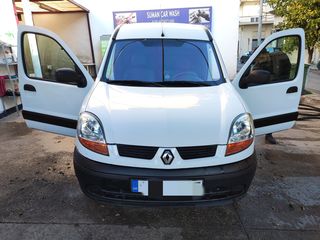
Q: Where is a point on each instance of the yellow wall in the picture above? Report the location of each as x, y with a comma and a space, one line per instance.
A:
76, 35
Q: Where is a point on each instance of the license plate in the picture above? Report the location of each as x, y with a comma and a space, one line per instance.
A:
140, 186
183, 188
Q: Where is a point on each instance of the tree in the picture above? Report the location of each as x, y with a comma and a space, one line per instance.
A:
300, 14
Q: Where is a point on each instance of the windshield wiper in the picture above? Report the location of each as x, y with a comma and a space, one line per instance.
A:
187, 83
137, 83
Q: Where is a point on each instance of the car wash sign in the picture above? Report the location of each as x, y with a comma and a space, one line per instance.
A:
195, 15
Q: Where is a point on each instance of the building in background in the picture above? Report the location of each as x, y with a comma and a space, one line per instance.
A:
248, 27
224, 21
78, 22
66, 18
8, 66
248, 24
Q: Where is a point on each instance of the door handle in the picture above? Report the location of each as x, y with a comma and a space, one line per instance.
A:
28, 87
292, 89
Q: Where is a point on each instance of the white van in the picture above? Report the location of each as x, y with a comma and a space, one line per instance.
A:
162, 124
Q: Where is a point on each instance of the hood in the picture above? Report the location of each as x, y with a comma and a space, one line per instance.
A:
165, 116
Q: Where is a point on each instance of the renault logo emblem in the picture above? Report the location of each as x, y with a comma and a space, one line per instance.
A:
167, 157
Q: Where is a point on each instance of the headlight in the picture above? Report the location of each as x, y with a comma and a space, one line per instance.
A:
241, 134
90, 133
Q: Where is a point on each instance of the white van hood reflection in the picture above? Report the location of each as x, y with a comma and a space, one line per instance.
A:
165, 116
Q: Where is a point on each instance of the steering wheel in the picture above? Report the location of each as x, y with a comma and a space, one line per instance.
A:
186, 76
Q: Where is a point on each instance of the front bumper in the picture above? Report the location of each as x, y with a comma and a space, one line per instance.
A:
111, 183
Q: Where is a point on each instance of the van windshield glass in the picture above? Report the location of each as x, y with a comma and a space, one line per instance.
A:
167, 62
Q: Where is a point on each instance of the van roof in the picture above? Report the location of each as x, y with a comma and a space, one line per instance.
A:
169, 30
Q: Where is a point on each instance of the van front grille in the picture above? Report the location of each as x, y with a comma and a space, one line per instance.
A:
146, 152
187, 153
133, 151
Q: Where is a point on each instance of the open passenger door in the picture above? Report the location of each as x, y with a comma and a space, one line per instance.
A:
271, 81
52, 81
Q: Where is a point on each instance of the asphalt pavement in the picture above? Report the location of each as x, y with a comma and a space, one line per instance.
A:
313, 80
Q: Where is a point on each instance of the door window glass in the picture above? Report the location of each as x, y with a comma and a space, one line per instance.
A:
277, 62
45, 59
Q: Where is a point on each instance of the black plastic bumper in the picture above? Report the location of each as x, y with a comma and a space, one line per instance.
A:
111, 183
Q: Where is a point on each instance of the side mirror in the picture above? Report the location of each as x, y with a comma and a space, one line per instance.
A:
255, 77
68, 75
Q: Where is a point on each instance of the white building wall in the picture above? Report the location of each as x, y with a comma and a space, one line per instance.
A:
316, 56
8, 29
249, 32
250, 9
226, 31
225, 22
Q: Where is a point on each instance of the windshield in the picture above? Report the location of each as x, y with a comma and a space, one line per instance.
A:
167, 62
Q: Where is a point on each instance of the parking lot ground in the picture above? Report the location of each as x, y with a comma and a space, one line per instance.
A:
40, 197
